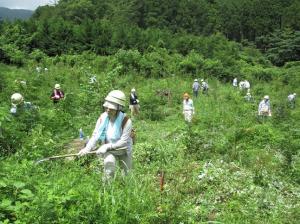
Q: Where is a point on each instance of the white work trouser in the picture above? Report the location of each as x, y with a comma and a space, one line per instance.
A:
188, 115
110, 163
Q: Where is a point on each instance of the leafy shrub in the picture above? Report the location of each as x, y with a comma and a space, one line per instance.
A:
129, 59
192, 63
10, 54
153, 64
213, 68
37, 55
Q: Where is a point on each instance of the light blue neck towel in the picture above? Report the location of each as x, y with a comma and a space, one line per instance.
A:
116, 126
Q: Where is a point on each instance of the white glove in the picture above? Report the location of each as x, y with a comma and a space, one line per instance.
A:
137, 101
103, 149
83, 152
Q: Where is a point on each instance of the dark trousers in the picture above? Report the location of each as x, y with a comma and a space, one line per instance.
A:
195, 93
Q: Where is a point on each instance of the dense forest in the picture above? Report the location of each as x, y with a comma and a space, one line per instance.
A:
228, 165
105, 26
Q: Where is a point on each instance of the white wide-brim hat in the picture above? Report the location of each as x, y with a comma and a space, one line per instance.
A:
111, 105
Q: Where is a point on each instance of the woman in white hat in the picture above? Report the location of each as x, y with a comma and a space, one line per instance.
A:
16, 100
134, 103
113, 130
264, 107
18, 105
57, 94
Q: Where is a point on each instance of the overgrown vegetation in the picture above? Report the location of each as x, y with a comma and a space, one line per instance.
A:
228, 166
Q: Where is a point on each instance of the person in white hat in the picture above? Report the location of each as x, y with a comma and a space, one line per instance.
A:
292, 100
17, 102
38, 69
235, 82
134, 103
244, 85
93, 79
204, 86
113, 129
248, 96
196, 87
264, 107
57, 94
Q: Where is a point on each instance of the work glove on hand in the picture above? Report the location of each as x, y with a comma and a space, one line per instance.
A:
83, 152
103, 149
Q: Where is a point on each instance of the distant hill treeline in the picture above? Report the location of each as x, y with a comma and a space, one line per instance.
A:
12, 14
108, 25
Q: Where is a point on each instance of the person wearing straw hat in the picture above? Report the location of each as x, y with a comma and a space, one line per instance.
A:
57, 94
188, 108
264, 107
113, 130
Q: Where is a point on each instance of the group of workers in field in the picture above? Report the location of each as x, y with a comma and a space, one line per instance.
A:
264, 107
188, 104
18, 103
114, 130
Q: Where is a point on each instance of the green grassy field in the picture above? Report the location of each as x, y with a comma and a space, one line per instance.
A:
227, 166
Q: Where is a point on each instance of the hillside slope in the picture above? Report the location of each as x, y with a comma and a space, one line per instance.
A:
227, 166
12, 14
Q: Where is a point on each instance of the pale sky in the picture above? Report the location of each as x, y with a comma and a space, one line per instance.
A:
25, 4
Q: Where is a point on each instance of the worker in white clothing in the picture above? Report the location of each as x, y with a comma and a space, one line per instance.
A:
292, 100
204, 86
248, 97
264, 108
92, 79
235, 82
188, 108
113, 130
244, 85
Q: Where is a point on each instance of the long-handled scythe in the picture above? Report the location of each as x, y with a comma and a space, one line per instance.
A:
115, 152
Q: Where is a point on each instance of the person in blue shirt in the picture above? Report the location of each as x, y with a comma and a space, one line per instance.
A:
196, 87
